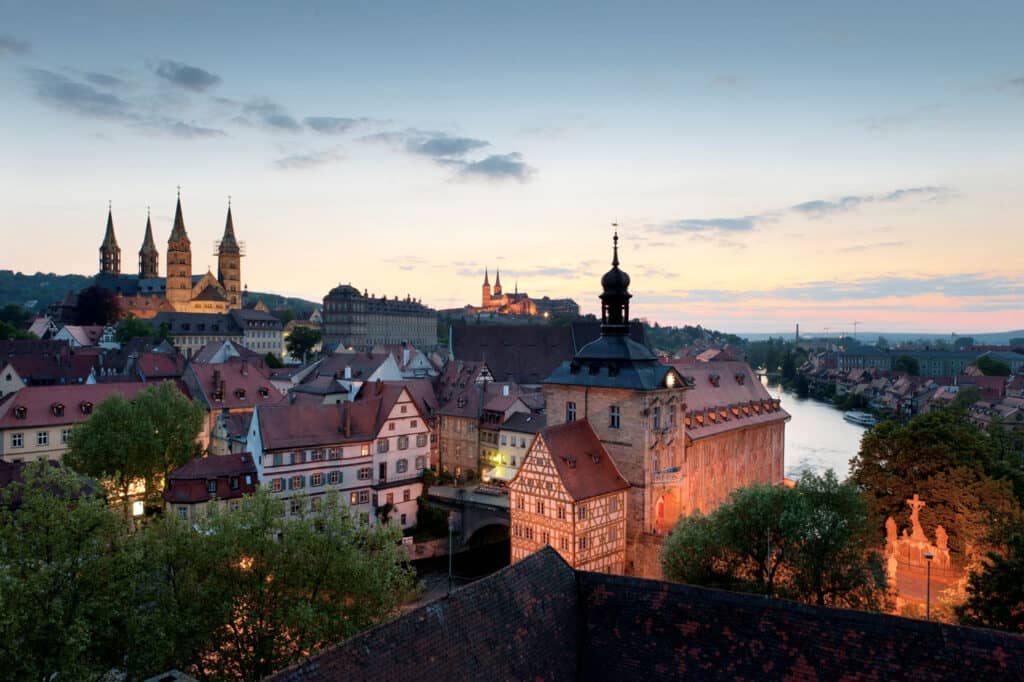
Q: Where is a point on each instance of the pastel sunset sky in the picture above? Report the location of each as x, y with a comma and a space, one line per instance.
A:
768, 163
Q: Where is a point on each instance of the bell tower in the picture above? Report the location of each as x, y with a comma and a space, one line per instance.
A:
486, 300
110, 252
229, 263
149, 256
179, 261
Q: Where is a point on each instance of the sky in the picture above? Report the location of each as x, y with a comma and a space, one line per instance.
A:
767, 164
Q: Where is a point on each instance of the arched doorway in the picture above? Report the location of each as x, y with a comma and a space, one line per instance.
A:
666, 512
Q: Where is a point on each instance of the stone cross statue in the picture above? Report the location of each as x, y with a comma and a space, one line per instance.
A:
915, 505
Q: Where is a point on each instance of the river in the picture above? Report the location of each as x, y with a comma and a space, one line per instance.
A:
817, 437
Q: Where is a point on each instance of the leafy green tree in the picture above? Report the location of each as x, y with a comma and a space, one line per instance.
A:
991, 367
302, 340
908, 364
97, 305
810, 543
131, 327
272, 361
9, 331
125, 443
244, 593
64, 585
995, 593
15, 315
950, 463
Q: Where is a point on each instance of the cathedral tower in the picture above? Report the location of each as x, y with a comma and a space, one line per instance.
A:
497, 283
229, 263
179, 262
110, 252
487, 289
149, 256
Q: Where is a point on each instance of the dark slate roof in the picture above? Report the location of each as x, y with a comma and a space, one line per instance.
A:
196, 323
228, 244
524, 422
178, 233
148, 244
613, 367
538, 619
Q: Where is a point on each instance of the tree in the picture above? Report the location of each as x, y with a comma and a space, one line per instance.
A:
127, 442
244, 593
97, 305
15, 315
9, 331
131, 327
995, 593
64, 585
882, 343
810, 543
271, 361
906, 363
991, 367
945, 459
302, 340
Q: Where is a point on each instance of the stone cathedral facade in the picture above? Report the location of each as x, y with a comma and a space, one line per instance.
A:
147, 293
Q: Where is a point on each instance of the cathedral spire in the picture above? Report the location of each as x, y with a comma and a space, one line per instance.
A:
487, 277
228, 243
110, 252
178, 233
497, 279
149, 256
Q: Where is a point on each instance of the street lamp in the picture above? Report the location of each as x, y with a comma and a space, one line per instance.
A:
928, 589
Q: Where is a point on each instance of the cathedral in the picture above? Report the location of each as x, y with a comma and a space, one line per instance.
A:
499, 302
146, 294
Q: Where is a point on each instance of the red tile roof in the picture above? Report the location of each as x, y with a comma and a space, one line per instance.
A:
190, 483
234, 384
582, 462
41, 404
160, 365
302, 425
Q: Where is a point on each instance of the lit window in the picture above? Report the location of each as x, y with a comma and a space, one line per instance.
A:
277, 485
365, 449
561, 512
297, 482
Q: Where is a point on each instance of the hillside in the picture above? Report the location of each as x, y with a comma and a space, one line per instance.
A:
46, 288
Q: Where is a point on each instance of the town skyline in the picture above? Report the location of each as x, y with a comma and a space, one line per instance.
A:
831, 170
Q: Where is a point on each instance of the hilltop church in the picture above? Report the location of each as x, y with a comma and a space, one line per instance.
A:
146, 294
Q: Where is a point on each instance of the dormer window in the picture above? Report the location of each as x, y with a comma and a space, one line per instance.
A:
240, 393
20, 412
211, 486
263, 391
715, 380
57, 409
86, 407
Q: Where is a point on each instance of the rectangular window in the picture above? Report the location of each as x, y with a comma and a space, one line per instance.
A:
17, 440
613, 504
42, 437
297, 483
335, 453
520, 503
421, 440
365, 449
561, 512
354, 497
545, 537
391, 426
581, 512
391, 498
248, 479
406, 495
613, 413
413, 423
364, 497
402, 408
403, 442
277, 485
183, 513
403, 519
583, 542
401, 466
211, 486
316, 480
565, 544
570, 412
655, 418
295, 507
421, 463
365, 473
334, 477
504, 439
540, 507
382, 445
278, 459
612, 534
233, 482
65, 434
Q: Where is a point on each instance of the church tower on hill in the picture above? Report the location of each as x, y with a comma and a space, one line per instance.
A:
149, 256
229, 263
179, 262
110, 252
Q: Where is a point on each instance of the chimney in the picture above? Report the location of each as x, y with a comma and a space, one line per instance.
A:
348, 420
405, 357
379, 387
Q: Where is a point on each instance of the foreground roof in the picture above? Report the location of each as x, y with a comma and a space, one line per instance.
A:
539, 619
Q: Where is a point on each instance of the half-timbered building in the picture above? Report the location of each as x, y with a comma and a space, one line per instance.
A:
569, 494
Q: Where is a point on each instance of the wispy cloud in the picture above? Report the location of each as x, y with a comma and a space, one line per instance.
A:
725, 81
270, 114
1015, 84
80, 98
11, 45
741, 224
307, 160
499, 167
451, 151
823, 208
185, 76
857, 248
332, 125
105, 80
441, 146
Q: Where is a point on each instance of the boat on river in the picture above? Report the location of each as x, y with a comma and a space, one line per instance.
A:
862, 418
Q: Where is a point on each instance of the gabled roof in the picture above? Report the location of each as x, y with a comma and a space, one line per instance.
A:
362, 365
236, 383
190, 483
521, 422
304, 424
581, 461
35, 406
85, 335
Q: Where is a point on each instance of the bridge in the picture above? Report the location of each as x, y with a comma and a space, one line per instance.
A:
479, 511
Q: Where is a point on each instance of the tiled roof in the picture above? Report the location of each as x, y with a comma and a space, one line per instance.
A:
160, 365
301, 425
35, 406
362, 365
215, 465
190, 483
582, 462
51, 369
85, 335
521, 422
236, 383
540, 620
